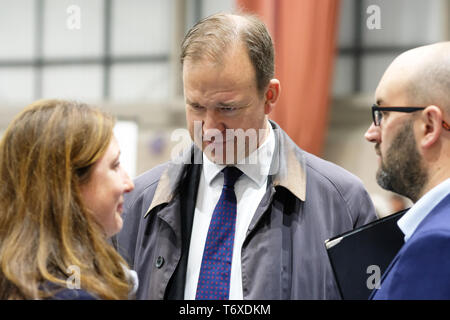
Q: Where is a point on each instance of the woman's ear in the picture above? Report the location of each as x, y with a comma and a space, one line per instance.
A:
271, 95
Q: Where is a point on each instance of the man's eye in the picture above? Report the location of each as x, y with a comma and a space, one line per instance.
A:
228, 109
196, 107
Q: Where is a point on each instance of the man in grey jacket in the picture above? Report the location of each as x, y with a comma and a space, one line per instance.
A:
284, 205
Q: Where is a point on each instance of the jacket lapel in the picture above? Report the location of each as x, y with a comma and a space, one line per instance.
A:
287, 170
385, 273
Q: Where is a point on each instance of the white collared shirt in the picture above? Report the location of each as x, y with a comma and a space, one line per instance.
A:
414, 216
250, 189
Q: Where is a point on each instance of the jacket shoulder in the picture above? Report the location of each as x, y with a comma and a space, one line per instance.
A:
330, 173
323, 175
143, 183
73, 294
422, 257
422, 270
59, 292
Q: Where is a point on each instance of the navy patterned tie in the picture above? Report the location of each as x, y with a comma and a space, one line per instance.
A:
214, 278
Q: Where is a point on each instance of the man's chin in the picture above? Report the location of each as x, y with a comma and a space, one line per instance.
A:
384, 180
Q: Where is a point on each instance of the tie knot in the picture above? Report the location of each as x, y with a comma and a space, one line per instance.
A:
231, 175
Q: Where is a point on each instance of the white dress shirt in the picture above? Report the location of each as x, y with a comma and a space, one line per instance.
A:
250, 189
414, 216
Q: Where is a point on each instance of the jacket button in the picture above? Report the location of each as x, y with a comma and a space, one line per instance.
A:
159, 262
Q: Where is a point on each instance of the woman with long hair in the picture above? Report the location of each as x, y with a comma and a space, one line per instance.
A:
61, 196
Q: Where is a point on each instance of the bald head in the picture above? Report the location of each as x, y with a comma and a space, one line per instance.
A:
414, 149
423, 75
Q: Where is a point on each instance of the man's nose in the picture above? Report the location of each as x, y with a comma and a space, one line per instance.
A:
212, 121
373, 134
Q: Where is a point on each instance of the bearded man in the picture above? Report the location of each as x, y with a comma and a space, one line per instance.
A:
411, 133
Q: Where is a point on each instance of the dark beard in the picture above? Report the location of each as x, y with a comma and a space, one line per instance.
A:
402, 170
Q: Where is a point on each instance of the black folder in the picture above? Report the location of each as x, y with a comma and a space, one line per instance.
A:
351, 254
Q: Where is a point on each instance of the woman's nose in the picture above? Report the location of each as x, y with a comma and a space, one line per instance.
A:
129, 185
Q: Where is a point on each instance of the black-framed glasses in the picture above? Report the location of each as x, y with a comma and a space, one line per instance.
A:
377, 113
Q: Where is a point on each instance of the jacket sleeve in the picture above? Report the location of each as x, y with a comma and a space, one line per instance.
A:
423, 270
360, 205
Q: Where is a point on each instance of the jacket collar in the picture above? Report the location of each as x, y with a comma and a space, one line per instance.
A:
172, 175
288, 169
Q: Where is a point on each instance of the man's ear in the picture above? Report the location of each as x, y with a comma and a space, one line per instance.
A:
430, 127
271, 95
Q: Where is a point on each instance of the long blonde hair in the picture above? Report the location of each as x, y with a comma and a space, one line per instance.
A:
46, 153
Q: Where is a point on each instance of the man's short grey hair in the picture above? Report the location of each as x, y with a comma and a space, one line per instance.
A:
211, 37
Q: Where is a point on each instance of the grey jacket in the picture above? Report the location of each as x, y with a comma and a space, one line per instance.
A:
308, 200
